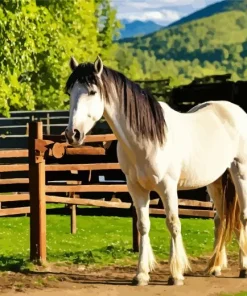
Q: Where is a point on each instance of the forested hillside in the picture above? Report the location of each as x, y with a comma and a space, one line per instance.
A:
215, 8
212, 45
215, 38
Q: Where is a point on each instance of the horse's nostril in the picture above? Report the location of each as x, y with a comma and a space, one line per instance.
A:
77, 134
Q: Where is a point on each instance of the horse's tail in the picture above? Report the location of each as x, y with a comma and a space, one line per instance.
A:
229, 221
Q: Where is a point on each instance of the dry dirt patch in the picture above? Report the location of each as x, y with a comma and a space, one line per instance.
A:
112, 281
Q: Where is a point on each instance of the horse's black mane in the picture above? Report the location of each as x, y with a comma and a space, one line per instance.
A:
143, 113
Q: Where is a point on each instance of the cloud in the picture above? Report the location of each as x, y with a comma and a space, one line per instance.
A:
160, 3
160, 11
163, 16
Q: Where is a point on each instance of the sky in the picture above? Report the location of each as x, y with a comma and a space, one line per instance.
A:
162, 12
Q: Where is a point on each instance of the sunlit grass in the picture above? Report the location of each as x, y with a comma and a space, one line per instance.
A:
99, 240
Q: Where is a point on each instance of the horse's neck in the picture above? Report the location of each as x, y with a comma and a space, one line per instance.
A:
117, 122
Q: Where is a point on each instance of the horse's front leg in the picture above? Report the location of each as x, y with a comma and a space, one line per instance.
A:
178, 262
146, 262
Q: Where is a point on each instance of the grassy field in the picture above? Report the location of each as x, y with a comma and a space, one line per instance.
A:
99, 240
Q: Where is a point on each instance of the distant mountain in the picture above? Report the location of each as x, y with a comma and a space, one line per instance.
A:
208, 42
210, 10
138, 28
222, 6
215, 33
215, 38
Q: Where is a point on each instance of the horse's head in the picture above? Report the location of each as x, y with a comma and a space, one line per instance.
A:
86, 102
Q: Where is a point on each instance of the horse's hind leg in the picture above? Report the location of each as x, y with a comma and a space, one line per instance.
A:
216, 194
239, 176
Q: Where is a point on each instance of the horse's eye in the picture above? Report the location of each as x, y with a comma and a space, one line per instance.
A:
92, 92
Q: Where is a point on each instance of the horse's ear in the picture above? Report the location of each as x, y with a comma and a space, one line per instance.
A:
98, 66
73, 63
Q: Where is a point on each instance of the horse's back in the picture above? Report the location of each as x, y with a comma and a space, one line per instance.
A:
216, 134
226, 111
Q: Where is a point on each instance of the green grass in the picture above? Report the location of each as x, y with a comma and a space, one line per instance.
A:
99, 240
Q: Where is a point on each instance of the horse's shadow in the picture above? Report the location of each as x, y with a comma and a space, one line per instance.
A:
204, 275
89, 279
119, 278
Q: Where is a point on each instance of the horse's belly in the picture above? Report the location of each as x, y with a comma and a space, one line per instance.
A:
195, 182
190, 184
204, 172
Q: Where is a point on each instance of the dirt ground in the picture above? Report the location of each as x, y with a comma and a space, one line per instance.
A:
113, 281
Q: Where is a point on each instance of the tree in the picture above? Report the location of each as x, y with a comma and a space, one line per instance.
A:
37, 39
24, 38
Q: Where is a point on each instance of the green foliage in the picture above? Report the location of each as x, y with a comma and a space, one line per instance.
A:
37, 39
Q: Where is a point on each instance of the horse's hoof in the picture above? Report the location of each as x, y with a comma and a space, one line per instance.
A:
216, 273
243, 274
175, 282
140, 280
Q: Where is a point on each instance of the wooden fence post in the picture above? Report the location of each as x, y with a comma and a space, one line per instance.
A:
135, 232
48, 127
37, 196
73, 216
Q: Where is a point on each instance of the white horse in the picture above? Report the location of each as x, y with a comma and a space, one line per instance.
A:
162, 150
